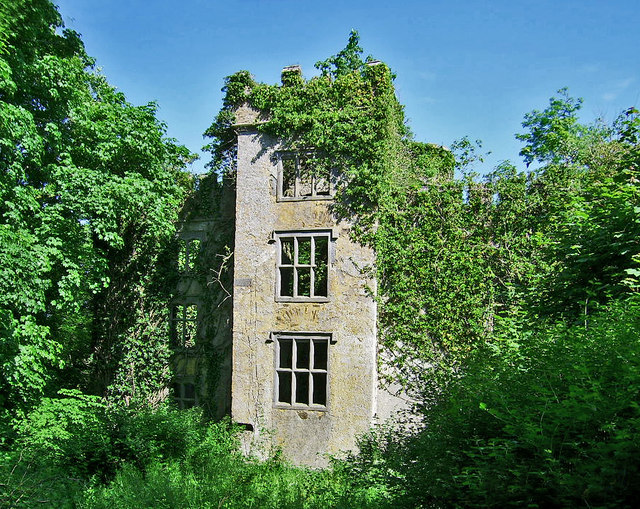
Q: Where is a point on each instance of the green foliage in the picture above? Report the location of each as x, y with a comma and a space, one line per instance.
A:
82, 435
143, 355
349, 114
515, 290
211, 473
69, 429
73, 439
388, 186
89, 193
589, 230
539, 419
347, 60
551, 131
75, 452
594, 246
452, 254
540, 409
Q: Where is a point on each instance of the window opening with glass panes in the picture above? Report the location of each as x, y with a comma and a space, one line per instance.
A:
302, 369
303, 266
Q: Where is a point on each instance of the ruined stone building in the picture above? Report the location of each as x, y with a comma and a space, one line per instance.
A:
294, 339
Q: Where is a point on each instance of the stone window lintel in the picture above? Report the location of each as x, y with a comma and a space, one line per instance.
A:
333, 339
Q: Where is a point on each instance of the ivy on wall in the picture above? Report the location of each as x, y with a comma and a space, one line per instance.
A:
455, 253
436, 281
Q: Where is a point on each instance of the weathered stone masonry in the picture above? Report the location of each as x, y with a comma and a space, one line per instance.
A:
343, 322
297, 343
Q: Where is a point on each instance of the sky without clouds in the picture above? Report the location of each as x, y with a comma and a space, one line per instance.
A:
463, 67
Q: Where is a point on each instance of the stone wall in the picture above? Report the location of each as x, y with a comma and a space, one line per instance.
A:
209, 218
348, 315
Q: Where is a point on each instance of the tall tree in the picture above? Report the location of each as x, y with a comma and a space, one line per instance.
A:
89, 190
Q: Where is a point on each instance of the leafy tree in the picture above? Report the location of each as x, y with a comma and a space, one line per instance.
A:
588, 227
516, 290
542, 411
552, 131
546, 417
89, 190
347, 60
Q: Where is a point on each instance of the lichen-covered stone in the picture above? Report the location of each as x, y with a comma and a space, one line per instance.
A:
306, 436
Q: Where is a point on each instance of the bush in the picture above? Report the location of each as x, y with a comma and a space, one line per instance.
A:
214, 474
74, 451
548, 418
67, 442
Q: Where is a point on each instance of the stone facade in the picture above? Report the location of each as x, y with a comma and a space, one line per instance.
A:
201, 310
334, 396
294, 329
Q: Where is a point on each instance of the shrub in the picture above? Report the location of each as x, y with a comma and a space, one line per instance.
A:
548, 418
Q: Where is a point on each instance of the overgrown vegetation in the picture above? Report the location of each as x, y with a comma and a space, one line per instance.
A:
507, 304
90, 192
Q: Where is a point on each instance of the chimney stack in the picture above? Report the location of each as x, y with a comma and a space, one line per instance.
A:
291, 74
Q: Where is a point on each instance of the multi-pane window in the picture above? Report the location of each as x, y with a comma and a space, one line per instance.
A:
303, 176
303, 266
188, 254
184, 394
302, 368
184, 325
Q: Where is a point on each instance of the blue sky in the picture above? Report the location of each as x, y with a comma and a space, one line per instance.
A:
463, 67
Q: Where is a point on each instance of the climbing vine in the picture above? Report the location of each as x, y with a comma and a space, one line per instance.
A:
434, 292
456, 254
525, 281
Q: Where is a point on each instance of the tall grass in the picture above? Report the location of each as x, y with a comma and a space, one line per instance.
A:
99, 458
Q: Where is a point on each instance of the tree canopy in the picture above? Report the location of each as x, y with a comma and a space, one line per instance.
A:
89, 191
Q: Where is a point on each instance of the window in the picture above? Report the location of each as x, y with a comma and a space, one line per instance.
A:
302, 368
188, 254
184, 325
184, 393
303, 266
303, 176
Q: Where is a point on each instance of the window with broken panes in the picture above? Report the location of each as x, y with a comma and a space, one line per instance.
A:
184, 394
184, 325
303, 266
302, 370
303, 176
189, 250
